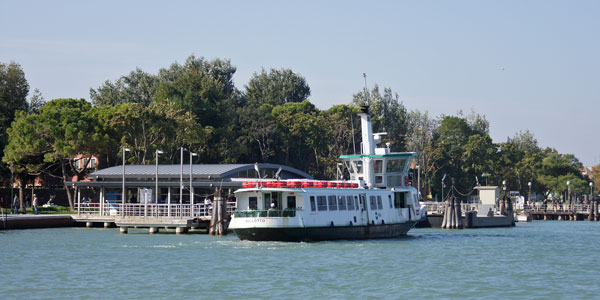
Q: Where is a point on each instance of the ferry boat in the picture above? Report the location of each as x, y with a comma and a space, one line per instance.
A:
376, 202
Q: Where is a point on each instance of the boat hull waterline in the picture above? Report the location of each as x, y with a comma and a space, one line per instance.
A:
308, 234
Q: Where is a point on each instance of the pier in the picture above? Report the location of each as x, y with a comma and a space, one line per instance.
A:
181, 217
566, 212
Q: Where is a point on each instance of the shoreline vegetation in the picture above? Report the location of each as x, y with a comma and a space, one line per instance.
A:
196, 105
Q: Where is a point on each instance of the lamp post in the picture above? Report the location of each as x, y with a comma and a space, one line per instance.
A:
569, 192
485, 175
12, 187
192, 154
443, 178
156, 191
529, 185
123, 192
181, 180
419, 181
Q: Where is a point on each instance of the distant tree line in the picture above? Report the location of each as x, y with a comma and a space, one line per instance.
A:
196, 105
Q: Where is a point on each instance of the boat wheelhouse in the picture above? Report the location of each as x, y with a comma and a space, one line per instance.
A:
376, 202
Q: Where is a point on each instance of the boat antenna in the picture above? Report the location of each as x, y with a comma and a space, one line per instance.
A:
352, 125
366, 90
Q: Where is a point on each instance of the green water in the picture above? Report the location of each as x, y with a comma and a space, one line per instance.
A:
538, 260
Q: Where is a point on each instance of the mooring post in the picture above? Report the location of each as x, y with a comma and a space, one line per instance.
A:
217, 219
591, 210
459, 223
123, 229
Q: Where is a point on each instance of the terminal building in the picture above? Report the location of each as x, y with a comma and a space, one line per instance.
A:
202, 180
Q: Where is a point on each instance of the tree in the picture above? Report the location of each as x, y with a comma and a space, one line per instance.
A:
420, 129
276, 87
596, 178
13, 96
557, 169
161, 125
60, 131
258, 132
137, 87
301, 135
337, 126
37, 101
389, 115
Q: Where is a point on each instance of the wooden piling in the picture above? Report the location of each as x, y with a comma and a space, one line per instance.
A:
591, 215
459, 223
217, 221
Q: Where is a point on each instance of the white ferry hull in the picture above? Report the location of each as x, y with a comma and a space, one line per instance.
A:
306, 234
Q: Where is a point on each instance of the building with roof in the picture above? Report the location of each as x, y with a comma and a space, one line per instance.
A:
174, 180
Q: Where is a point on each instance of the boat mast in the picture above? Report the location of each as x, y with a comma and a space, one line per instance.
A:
368, 142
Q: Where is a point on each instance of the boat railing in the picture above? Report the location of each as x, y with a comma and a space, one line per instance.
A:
272, 213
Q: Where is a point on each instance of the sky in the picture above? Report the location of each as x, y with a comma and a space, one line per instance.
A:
525, 65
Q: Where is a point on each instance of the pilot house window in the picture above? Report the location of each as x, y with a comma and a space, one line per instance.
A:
252, 203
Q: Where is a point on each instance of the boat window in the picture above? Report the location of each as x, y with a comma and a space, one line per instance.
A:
332, 202
313, 207
350, 202
267, 200
378, 179
358, 166
390, 200
395, 165
373, 202
378, 165
394, 180
291, 202
399, 200
362, 202
322, 203
349, 166
341, 202
253, 203
379, 203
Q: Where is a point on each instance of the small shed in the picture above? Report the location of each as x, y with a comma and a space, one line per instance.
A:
488, 194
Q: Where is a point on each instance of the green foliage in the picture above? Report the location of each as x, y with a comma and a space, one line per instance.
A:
161, 125
13, 96
277, 87
389, 115
196, 105
137, 87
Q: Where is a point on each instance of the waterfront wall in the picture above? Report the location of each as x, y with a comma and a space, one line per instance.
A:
35, 221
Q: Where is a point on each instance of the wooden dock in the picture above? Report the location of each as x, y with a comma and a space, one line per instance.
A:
564, 213
181, 217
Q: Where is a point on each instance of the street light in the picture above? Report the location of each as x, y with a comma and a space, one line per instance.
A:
569, 192
486, 175
156, 191
12, 186
443, 178
529, 184
192, 154
123, 192
181, 179
419, 181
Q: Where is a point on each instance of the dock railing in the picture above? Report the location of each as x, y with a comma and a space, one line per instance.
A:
438, 207
150, 210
